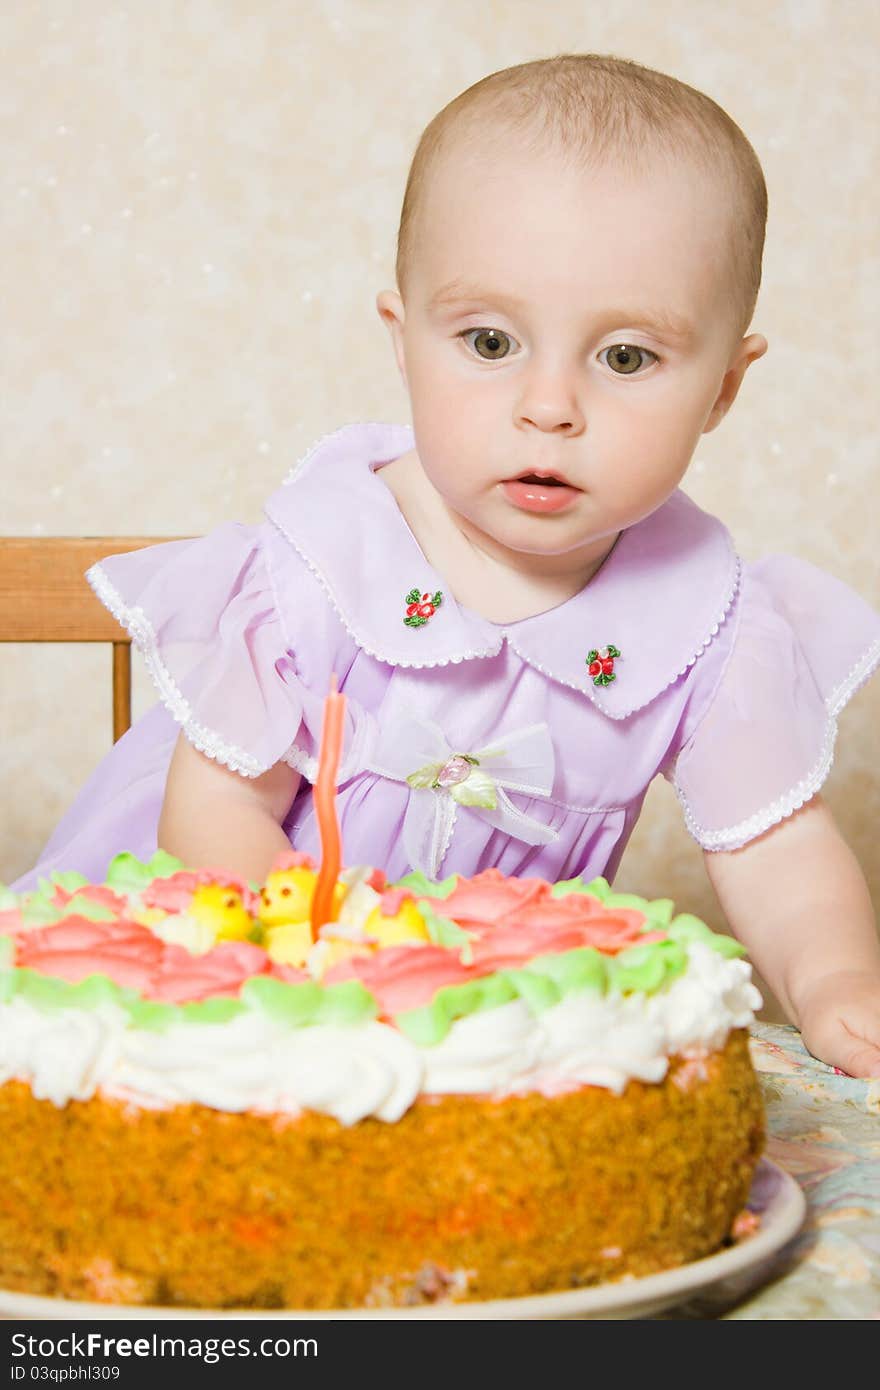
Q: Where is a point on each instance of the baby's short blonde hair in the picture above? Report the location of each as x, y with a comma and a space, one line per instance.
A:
593, 109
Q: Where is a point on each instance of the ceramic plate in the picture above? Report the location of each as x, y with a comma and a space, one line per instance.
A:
775, 1196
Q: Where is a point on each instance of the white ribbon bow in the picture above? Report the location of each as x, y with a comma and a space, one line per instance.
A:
417, 752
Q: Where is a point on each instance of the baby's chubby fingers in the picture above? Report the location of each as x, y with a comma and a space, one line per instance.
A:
863, 1059
839, 1019
849, 1039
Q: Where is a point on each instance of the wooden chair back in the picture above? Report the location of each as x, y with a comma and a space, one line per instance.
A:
45, 597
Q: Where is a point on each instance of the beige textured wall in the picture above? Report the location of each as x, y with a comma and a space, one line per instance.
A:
199, 204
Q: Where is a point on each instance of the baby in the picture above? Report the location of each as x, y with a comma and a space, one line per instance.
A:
528, 618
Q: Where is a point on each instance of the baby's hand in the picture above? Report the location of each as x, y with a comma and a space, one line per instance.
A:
840, 1021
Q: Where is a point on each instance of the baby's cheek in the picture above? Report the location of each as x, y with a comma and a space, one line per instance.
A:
645, 464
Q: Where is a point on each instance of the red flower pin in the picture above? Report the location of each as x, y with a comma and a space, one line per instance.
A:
600, 665
421, 607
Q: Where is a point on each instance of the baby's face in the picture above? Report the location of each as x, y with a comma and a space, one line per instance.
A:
574, 323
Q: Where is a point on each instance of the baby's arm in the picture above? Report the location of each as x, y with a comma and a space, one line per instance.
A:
213, 818
797, 899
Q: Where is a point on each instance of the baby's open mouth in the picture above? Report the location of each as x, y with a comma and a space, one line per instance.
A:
540, 492
544, 479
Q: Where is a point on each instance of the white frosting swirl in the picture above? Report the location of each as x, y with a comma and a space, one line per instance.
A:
255, 1063
249, 1063
63, 1055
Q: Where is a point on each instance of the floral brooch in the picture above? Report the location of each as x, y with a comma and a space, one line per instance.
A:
452, 775
421, 607
600, 665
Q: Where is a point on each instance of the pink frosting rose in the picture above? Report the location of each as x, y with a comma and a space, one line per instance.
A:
488, 896
219, 973
403, 977
71, 950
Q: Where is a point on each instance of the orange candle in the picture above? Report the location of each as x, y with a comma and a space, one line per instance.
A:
324, 798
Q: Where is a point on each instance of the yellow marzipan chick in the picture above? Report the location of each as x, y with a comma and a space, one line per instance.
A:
288, 939
289, 943
405, 926
221, 908
286, 896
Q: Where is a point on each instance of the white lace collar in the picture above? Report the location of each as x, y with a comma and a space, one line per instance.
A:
659, 598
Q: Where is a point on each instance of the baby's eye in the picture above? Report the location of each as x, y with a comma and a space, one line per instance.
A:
489, 343
625, 359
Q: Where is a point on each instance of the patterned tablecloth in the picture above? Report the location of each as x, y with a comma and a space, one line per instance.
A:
823, 1129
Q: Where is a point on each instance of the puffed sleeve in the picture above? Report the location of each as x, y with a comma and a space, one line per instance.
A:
204, 616
804, 643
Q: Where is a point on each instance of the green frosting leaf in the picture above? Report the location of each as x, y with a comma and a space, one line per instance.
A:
346, 1003
126, 874
36, 911
293, 1004
306, 1002
540, 984
537, 991
429, 1024
686, 928
45, 992
163, 865
8, 899
211, 1010
726, 945
48, 993
423, 887
657, 911
7, 952
597, 888
68, 879
95, 990
582, 968
659, 914
152, 1016
300, 1004
646, 969
82, 906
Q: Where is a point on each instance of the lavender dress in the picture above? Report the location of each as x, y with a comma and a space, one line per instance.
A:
728, 681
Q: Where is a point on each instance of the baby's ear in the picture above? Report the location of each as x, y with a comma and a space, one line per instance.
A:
393, 314
747, 352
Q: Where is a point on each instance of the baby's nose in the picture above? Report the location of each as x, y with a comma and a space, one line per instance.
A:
549, 402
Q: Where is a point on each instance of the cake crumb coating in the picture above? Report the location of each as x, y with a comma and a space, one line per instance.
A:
464, 1198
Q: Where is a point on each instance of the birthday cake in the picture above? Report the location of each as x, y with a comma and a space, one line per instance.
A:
469, 1089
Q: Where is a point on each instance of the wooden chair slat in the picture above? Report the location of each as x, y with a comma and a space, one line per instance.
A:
121, 689
45, 597
44, 594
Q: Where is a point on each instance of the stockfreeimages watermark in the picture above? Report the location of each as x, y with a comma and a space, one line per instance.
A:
94, 1346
